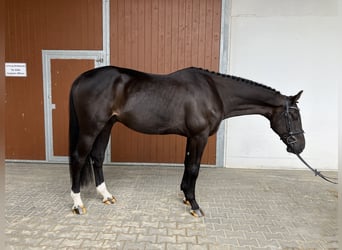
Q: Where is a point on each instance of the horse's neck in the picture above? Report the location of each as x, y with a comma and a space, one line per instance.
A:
243, 98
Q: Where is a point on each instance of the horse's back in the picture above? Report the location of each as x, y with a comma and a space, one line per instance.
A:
172, 103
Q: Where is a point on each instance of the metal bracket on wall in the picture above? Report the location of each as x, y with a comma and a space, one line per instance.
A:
100, 60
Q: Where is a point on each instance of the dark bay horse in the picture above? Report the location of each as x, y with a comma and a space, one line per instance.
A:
190, 102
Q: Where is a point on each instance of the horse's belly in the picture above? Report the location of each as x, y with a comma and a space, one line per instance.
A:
151, 123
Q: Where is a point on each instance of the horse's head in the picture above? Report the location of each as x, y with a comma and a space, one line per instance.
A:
286, 122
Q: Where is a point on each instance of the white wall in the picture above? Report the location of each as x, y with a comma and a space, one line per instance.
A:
290, 45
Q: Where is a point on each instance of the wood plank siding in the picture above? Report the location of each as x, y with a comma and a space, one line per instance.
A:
161, 37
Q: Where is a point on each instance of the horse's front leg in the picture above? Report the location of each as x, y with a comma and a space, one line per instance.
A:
188, 187
194, 150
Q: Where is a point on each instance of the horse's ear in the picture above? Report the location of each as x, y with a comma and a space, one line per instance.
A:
295, 98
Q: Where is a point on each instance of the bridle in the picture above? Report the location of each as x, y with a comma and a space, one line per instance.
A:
290, 135
290, 138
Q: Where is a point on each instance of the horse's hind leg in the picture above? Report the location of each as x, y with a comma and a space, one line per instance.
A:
97, 155
81, 173
194, 150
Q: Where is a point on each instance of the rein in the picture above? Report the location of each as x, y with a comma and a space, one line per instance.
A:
291, 139
318, 173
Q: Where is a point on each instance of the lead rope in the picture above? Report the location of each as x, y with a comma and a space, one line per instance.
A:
326, 178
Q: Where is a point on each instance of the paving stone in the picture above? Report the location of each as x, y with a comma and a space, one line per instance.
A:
173, 231
110, 244
176, 246
158, 231
268, 243
167, 224
186, 239
147, 238
245, 209
106, 236
135, 245
158, 246
138, 230
256, 235
221, 247
71, 243
216, 233
166, 239
51, 242
147, 224
195, 232
126, 237
264, 248
249, 242
96, 244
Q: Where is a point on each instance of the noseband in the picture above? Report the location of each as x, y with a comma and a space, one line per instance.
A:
290, 135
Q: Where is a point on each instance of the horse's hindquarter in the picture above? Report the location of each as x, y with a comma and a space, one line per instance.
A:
92, 94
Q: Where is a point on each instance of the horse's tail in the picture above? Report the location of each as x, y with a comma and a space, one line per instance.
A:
86, 174
73, 129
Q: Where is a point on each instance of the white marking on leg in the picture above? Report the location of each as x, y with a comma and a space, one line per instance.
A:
77, 199
102, 190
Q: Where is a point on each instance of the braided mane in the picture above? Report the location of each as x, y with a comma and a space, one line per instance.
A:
238, 79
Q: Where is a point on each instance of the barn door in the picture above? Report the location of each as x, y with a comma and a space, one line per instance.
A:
57, 81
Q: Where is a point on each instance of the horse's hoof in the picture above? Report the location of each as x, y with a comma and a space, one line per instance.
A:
109, 201
186, 202
197, 213
79, 210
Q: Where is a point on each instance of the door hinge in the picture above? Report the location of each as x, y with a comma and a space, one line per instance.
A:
99, 60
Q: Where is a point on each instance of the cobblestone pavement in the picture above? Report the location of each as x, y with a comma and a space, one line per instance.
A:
245, 209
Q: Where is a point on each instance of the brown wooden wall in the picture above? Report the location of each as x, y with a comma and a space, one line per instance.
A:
30, 27
161, 37
2, 93
156, 36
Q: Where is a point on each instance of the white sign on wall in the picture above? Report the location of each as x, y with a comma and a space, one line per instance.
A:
15, 69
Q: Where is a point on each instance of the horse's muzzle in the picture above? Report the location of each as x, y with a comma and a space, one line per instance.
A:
295, 148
